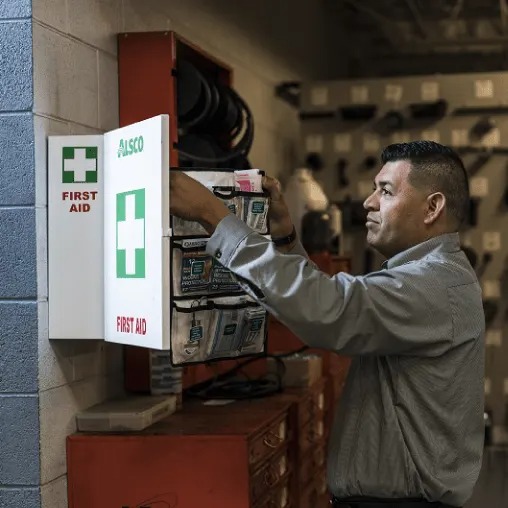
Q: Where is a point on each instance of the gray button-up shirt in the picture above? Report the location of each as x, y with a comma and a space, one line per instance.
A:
410, 421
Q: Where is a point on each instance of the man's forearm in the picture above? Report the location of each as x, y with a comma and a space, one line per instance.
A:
283, 230
214, 214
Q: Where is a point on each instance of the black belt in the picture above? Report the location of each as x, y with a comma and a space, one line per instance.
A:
359, 502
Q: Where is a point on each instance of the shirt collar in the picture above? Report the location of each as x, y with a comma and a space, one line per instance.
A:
449, 242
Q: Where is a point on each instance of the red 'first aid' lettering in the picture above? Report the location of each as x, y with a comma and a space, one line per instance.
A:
141, 326
124, 324
79, 196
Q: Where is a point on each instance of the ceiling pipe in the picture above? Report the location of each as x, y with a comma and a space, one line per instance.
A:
420, 25
385, 24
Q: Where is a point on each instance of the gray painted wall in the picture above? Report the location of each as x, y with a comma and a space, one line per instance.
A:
19, 401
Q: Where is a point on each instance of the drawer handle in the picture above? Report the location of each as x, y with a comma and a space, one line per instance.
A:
311, 436
274, 504
271, 478
272, 440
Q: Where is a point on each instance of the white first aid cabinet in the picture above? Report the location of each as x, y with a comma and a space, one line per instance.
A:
136, 234
108, 235
75, 237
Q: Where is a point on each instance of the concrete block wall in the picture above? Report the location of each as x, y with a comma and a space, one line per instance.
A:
76, 92
19, 400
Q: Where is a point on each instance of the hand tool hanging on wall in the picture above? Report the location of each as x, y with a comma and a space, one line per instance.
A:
358, 112
472, 218
428, 110
415, 114
391, 121
480, 160
481, 128
343, 180
370, 162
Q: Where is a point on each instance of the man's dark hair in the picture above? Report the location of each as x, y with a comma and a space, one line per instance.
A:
437, 168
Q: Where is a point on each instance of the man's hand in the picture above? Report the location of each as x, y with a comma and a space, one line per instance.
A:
192, 201
278, 213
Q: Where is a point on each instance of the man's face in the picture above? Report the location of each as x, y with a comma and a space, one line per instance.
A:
396, 209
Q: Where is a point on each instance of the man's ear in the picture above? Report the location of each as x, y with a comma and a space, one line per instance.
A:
436, 203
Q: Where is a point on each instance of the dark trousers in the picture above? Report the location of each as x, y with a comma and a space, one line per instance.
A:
366, 502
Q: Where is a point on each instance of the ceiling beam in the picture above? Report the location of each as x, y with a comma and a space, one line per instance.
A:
503, 12
420, 25
386, 25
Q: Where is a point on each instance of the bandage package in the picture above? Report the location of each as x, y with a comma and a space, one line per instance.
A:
212, 317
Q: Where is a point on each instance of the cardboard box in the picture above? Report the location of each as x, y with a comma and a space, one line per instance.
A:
299, 370
126, 414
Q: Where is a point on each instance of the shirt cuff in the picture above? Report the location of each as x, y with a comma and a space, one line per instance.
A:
228, 234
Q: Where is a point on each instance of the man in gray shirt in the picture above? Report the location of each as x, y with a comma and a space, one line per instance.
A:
409, 428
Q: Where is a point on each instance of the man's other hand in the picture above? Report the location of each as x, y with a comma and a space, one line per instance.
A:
278, 213
192, 201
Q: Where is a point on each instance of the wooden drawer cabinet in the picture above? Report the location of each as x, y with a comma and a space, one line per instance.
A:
310, 401
269, 476
274, 437
320, 456
319, 397
310, 463
229, 457
306, 468
278, 497
309, 496
262, 453
314, 495
305, 407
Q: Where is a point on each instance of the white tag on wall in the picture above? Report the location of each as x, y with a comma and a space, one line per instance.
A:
431, 135
487, 385
319, 96
401, 137
491, 241
492, 289
479, 187
460, 137
430, 91
484, 89
371, 142
342, 143
359, 94
393, 93
314, 143
494, 338
492, 138
365, 188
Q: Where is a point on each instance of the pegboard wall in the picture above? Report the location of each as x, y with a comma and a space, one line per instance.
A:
350, 122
